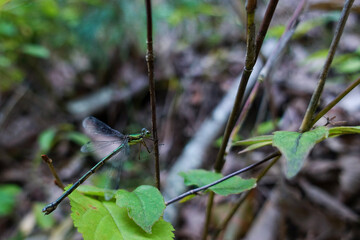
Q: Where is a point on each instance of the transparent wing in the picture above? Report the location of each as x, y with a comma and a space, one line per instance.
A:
104, 138
114, 170
104, 141
96, 128
101, 148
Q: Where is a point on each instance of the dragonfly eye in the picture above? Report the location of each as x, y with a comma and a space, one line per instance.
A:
145, 132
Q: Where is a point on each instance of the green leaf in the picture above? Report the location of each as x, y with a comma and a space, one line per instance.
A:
351, 65
308, 25
102, 220
77, 137
3, 2
337, 131
94, 191
46, 140
266, 127
232, 185
276, 31
255, 146
296, 146
145, 205
254, 140
8, 194
187, 198
36, 51
43, 221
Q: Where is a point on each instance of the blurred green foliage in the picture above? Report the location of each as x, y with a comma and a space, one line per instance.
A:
44, 29
344, 64
44, 221
8, 194
305, 26
51, 136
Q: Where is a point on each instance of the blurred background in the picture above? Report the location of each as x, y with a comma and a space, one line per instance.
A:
61, 61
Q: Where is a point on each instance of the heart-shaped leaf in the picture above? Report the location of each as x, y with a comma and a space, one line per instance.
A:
296, 146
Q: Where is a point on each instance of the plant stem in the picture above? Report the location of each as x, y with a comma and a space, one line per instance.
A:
245, 169
335, 101
150, 66
249, 63
309, 115
265, 25
208, 215
48, 161
259, 41
245, 195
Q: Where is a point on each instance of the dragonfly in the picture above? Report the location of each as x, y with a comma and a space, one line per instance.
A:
104, 137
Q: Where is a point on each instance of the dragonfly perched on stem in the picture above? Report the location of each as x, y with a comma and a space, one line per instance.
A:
103, 137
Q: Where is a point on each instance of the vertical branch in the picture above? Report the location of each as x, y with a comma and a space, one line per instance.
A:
249, 64
259, 41
150, 66
265, 25
309, 115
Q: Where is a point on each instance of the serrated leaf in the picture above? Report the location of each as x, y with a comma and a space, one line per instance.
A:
337, 131
232, 185
91, 190
102, 220
145, 205
296, 146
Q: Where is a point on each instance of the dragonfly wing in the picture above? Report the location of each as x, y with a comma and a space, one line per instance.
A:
95, 128
101, 148
114, 170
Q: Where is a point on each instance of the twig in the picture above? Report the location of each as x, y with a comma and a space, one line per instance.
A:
197, 147
259, 41
309, 115
278, 51
335, 101
249, 64
244, 196
150, 66
245, 169
265, 25
250, 60
57, 181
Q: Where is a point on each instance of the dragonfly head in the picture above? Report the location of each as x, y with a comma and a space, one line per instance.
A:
145, 132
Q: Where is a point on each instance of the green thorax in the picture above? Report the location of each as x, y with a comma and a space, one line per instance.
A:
138, 138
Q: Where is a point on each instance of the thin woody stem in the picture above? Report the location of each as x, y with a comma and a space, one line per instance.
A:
150, 66
250, 60
48, 161
309, 115
335, 101
203, 188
